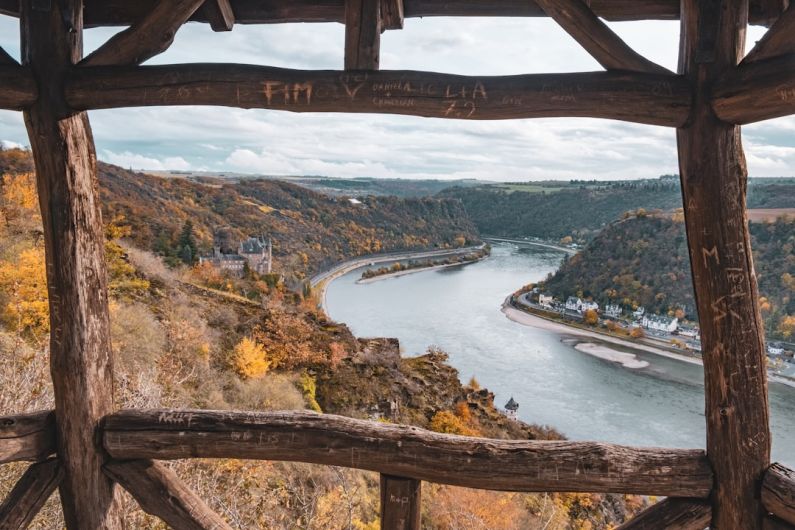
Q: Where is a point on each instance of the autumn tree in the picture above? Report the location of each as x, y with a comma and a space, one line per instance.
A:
188, 250
591, 317
23, 288
250, 359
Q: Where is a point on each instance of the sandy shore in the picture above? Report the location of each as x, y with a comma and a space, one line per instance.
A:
627, 360
527, 319
535, 321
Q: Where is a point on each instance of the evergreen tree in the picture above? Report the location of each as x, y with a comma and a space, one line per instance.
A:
187, 243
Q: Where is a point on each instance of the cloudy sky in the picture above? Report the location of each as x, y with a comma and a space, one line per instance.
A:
280, 143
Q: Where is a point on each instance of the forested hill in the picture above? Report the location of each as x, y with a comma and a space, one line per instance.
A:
580, 210
643, 261
309, 230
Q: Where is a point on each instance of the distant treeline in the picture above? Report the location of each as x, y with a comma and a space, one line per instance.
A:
424, 264
580, 211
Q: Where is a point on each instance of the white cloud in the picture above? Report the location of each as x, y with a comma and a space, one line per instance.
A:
8, 144
349, 145
136, 161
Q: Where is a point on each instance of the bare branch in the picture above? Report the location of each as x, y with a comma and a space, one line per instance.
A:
161, 493
29, 495
779, 39
143, 40
600, 41
220, 14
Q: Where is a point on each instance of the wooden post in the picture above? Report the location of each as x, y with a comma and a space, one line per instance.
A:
400, 503
714, 179
362, 34
63, 151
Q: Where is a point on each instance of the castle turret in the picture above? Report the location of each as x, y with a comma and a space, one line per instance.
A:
511, 408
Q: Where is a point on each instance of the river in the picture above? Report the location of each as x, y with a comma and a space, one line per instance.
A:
585, 398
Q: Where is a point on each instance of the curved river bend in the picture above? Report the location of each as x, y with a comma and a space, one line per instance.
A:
458, 309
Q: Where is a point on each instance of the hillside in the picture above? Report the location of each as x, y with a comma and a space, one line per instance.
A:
581, 209
643, 261
182, 338
310, 231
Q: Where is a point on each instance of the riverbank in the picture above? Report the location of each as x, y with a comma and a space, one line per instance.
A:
413, 271
536, 321
567, 250
320, 281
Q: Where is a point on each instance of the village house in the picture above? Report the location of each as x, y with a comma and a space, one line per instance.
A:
254, 252
612, 310
639, 312
659, 323
545, 300
588, 305
573, 303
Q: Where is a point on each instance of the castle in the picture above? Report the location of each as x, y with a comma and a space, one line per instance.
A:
254, 252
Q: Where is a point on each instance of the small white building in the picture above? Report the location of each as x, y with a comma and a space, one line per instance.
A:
690, 333
613, 310
545, 300
639, 312
774, 349
511, 409
573, 303
659, 323
588, 305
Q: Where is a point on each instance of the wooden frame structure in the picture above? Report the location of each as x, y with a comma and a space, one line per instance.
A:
85, 449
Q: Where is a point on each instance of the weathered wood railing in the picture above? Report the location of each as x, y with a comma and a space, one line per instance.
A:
403, 455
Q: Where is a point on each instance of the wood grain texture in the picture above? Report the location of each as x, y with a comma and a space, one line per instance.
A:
362, 34
161, 493
642, 98
756, 91
672, 514
392, 15
577, 19
149, 36
29, 494
778, 492
18, 88
714, 182
774, 523
219, 14
408, 452
779, 39
6, 59
125, 12
66, 176
27, 436
401, 503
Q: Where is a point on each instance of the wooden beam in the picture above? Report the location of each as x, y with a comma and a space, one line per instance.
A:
220, 14
125, 13
150, 36
161, 493
66, 177
392, 14
642, 98
362, 34
778, 492
408, 452
779, 39
27, 436
672, 514
401, 500
577, 19
714, 182
6, 59
773, 523
29, 494
756, 91
18, 89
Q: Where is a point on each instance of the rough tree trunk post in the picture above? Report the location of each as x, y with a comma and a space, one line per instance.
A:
401, 500
713, 172
63, 150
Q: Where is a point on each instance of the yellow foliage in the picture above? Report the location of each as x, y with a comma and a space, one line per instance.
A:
787, 326
250, 359
23, 286
637, 333
18, 200
591, 317
446, 422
